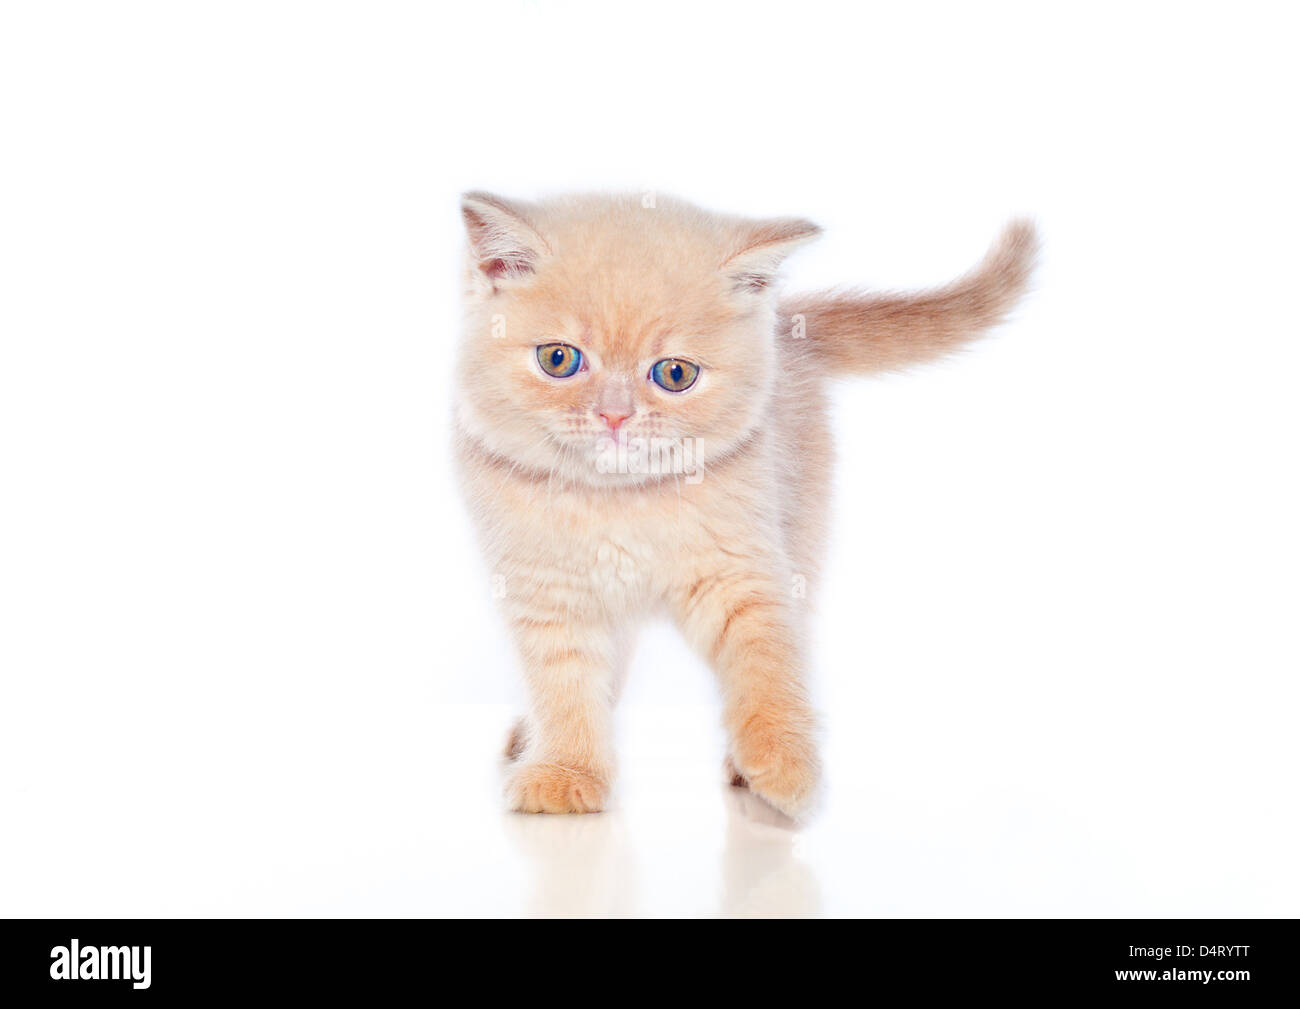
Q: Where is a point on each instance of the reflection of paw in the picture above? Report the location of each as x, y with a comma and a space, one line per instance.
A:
576, 866
552, 788
759, 818
778, 763
762, 877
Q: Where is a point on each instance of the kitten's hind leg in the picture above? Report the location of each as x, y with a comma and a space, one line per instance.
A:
732, 776
517, 741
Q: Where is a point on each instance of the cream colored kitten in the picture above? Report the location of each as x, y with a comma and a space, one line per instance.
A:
642, 427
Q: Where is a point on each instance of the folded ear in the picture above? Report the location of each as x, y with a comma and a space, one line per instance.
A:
503, 244
762, 246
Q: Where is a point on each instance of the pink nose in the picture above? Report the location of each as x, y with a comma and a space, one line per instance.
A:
614, 419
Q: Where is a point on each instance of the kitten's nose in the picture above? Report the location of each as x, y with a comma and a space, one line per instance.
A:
613, 418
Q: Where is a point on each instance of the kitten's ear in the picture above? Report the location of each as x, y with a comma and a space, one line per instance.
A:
503, 244
762, 246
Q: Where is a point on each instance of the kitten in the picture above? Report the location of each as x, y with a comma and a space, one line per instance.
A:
642, 427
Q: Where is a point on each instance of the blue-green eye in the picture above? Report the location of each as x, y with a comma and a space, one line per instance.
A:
674, 374
559, 359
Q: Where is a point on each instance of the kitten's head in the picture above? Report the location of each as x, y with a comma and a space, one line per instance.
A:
595, 321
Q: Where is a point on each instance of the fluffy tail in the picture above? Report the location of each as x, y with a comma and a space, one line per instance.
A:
859, 333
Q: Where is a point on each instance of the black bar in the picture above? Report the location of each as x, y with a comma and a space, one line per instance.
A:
370, 959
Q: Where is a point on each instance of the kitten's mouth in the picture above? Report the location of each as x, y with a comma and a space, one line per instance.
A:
596, 442
617, 441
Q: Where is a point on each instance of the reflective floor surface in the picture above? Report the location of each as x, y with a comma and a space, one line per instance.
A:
406, 823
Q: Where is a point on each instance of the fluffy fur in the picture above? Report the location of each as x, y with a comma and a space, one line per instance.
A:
729, 548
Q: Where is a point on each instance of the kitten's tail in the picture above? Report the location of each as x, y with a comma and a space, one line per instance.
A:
854, 333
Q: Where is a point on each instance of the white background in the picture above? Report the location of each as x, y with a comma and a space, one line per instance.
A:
250, 663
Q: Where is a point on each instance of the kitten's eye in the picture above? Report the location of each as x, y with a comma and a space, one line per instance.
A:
674, 374
559, 359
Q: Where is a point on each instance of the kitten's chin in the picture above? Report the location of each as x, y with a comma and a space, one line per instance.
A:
601, 461
628, 460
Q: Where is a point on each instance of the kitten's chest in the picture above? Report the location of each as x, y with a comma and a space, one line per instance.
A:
621, 550
621, 563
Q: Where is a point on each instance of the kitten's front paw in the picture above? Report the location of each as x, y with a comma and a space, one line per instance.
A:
553, 788
776, 762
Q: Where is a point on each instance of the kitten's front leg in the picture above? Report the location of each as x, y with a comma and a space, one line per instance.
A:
742, 622
562, 754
